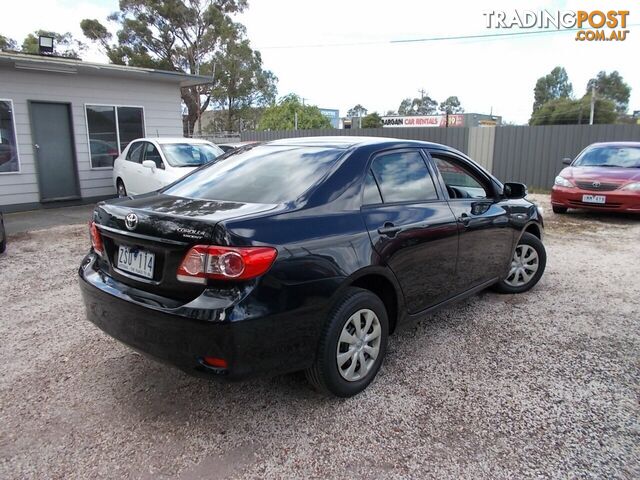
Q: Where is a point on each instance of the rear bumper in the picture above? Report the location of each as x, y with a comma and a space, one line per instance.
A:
616, 200
210, 327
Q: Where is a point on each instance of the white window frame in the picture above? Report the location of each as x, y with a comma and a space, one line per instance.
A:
115, 106
15, 134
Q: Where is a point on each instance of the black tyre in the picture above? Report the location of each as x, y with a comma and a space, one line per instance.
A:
352, 345
122, 190
559, 209
527, 265
3, 237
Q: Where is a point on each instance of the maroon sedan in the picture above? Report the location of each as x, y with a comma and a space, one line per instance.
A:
605, 176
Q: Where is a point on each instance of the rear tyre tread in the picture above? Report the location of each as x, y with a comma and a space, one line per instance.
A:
313, 373
3, 243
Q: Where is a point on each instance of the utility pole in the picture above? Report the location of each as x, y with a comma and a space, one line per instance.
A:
421, 92
295, 120
593, 103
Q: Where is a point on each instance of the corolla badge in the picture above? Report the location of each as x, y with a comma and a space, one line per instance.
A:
191, 233
131, 221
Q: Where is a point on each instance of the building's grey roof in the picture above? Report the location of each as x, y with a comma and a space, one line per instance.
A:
70, 66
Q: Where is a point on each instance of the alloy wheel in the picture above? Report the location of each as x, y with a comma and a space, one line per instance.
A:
524, 266
358, 345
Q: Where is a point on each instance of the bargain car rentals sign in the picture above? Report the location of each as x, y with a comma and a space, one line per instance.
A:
423, 121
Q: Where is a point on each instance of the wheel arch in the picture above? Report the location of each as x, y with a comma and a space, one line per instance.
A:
534, 229
381, 282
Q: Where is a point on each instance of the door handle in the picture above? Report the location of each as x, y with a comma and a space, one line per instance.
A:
388, 229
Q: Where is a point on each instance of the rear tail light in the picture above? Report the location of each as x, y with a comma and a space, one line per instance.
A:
225, 263
96, 239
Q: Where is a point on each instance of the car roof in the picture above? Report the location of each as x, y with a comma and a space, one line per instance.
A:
345, 142
238, 144
615, 144
166, 140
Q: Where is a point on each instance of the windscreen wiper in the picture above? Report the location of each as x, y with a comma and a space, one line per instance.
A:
241, 149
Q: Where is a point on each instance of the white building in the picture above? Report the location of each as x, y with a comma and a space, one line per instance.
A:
63, 121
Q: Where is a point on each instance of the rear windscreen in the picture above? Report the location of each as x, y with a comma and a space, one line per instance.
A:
264, 174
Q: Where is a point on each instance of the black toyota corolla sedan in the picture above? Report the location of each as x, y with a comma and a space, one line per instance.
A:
305, 254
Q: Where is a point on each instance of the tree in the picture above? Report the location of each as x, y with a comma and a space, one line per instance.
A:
552, 86
451, 105
186, 36
424, 105
64, 45
7, 43
242, 86
282, 116
357, 111
611, 86
563, 111
405, 107
373, 120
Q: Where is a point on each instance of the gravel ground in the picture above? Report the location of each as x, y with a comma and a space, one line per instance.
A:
543, 384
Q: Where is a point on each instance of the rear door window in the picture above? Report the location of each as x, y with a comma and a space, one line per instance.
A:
403, 177
371, 193
263, 174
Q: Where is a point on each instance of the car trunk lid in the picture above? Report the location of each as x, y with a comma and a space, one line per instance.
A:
146, 238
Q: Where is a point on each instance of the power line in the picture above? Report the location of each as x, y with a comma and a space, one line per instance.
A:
429, 39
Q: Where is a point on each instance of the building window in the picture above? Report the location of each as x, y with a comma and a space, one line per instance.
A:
9, 162
131, 125
111, 128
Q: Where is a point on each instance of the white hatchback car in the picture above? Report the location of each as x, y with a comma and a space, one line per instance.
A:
148, 164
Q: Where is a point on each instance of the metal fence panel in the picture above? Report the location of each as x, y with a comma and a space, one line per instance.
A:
453, 137
480, 145
532, 155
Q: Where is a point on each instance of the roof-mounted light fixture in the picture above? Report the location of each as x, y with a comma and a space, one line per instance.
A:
45, 45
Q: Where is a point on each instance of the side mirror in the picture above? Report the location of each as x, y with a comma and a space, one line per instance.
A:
566, 161
514, 190
149, 164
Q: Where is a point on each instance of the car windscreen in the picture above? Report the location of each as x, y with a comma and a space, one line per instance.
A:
190, 154
263, 174
622, 156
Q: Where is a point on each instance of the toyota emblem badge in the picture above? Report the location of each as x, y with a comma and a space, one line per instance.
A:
131, 221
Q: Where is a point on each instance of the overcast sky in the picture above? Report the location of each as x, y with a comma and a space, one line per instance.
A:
488, 74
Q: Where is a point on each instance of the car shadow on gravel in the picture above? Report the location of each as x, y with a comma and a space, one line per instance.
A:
154, 390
